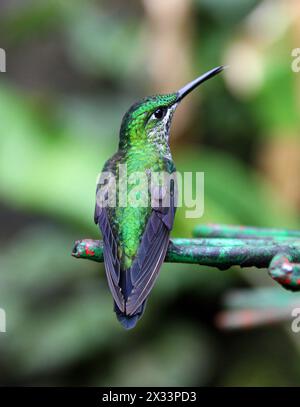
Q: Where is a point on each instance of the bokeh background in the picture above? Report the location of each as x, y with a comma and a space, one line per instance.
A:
73, 69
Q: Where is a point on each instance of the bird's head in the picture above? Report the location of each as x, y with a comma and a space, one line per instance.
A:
149, 120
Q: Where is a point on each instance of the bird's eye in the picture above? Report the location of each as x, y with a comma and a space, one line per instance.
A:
159, 113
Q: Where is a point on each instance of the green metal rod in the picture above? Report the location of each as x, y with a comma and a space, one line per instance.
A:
249, 232
286, 272
227, 246
221, 253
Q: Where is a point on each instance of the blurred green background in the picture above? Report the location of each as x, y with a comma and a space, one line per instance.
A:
73, 69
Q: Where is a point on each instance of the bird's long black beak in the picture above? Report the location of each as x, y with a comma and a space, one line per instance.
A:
196, 82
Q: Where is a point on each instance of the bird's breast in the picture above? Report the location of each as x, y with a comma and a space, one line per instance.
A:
134, 206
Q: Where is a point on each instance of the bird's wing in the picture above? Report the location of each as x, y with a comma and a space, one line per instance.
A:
110, 247
152, 251
149, 258
111, 260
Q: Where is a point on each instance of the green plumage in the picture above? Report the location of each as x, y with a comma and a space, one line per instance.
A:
141, 153
137, 223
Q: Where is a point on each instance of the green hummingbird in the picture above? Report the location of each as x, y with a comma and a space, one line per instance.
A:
136, 237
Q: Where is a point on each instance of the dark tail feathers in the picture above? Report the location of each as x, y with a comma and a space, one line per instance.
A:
130, 321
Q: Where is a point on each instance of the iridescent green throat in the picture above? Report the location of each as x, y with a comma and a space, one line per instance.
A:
135, 125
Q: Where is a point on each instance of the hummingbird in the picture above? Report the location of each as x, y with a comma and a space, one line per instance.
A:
136, 237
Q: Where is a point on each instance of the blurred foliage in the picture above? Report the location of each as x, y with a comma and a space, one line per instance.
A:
73, 69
